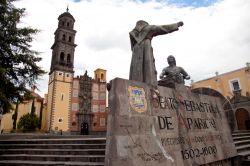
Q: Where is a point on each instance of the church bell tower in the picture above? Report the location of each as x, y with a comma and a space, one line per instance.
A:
61, 74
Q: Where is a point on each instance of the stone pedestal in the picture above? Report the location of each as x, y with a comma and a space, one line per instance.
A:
173, 127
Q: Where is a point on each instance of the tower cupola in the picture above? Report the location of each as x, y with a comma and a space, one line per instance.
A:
64, 45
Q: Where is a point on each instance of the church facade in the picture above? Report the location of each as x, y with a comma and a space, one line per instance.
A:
89, 104
73, 101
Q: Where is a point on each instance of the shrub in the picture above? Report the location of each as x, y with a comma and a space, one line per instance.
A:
28, 122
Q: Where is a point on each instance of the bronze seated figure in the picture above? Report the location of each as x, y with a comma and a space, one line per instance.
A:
172, 74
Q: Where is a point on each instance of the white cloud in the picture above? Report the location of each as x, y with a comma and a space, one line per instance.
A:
214, 38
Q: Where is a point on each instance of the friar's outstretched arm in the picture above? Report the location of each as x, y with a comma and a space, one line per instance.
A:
164, 29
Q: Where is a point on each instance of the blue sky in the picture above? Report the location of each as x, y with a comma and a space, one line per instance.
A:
184, 3
193, 3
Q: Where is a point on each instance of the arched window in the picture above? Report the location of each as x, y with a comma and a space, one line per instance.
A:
71, 23
102, 76
64, 37
63, 23
67, 24
70, 38
68, 58
62, 56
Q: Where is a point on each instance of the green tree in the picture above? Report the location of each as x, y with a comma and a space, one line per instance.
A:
28, 122
14, 116
33, 108
41, 115
18, 63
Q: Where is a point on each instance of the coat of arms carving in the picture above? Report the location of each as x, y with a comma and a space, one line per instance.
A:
137, 99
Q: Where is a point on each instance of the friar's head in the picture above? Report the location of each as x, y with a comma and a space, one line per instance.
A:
140, 25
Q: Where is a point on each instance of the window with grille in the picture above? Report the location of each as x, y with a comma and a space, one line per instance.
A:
235, 84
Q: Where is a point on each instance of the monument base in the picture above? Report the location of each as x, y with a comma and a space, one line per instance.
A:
173, 127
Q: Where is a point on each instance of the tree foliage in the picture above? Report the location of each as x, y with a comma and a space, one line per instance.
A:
33, 108
14, 116
28, 122
41, 115
18, 63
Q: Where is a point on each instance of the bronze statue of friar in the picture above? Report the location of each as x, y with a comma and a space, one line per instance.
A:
142, 67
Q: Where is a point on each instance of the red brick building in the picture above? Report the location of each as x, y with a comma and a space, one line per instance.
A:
89, 103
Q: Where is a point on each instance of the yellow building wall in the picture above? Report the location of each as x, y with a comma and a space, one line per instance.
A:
38, 108
44, 123
61, 111
222, 83
49, 102
6, 123
59, 100
23, 109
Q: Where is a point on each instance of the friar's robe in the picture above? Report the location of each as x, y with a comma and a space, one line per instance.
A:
142, 67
